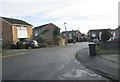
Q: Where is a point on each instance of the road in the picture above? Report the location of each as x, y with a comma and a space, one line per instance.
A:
53, 63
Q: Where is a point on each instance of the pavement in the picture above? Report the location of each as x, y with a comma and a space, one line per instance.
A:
104, 65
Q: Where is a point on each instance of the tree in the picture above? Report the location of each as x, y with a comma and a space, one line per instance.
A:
56, 33
105, 36
40, 38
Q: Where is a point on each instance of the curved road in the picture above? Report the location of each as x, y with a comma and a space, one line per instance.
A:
54, 63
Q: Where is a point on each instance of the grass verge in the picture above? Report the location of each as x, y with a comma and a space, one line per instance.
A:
12, 51
100, 51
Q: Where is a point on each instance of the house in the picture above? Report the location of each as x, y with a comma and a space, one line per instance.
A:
118, 32
46, 31
14, 30
92, 34
84, 37
72, 35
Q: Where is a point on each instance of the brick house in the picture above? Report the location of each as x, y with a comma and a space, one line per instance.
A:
71, 35
14, 30
46, 31
84, 37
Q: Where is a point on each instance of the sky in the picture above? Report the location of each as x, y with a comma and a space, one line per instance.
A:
80, 15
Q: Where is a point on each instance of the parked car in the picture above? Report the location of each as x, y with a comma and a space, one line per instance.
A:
115, 40
30, 44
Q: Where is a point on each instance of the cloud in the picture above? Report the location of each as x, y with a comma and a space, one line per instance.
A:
85, 14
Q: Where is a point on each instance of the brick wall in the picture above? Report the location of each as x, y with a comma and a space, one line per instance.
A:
7, 32
49, 35
30, 31
14, 32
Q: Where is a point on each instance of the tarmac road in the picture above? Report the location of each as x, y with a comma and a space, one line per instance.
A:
54, 63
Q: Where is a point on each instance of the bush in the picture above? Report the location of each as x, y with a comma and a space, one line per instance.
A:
98, 49
13, 46
48, 43
105, 36
58, 38
40, 39
18, 45
42, 45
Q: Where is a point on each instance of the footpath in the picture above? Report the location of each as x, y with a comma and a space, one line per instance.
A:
103, 65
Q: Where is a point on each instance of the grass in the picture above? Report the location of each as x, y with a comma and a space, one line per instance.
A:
12, 51
100, 51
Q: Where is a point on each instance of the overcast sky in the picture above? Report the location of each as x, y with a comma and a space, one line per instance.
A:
78, 14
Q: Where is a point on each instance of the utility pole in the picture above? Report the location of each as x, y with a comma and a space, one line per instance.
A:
66, 41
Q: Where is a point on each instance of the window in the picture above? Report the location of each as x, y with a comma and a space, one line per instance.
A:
93, 34
22, 32
21, 28
70, 36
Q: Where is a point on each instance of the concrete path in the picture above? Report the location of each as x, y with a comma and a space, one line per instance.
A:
112, 57
100, 65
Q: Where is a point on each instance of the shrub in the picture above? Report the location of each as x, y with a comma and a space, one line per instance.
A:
56, 32
40, 39
98, 49
18, 45
13, 46
58, 38
48, 43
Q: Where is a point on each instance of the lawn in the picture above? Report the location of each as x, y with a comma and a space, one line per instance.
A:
6, 52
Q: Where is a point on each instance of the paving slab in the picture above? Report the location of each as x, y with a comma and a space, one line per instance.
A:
98, 64
112, 57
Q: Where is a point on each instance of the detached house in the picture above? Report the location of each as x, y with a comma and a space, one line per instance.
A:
47, 32
14, 30
92, 34
72, 35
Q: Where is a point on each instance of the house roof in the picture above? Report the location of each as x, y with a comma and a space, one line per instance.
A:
98, 30
15, 21
118, 27
42, 26
72, 32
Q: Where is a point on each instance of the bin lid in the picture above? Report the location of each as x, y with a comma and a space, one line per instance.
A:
92, 44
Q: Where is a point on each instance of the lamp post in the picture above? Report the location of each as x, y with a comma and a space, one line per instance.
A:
65, 34
65, 26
